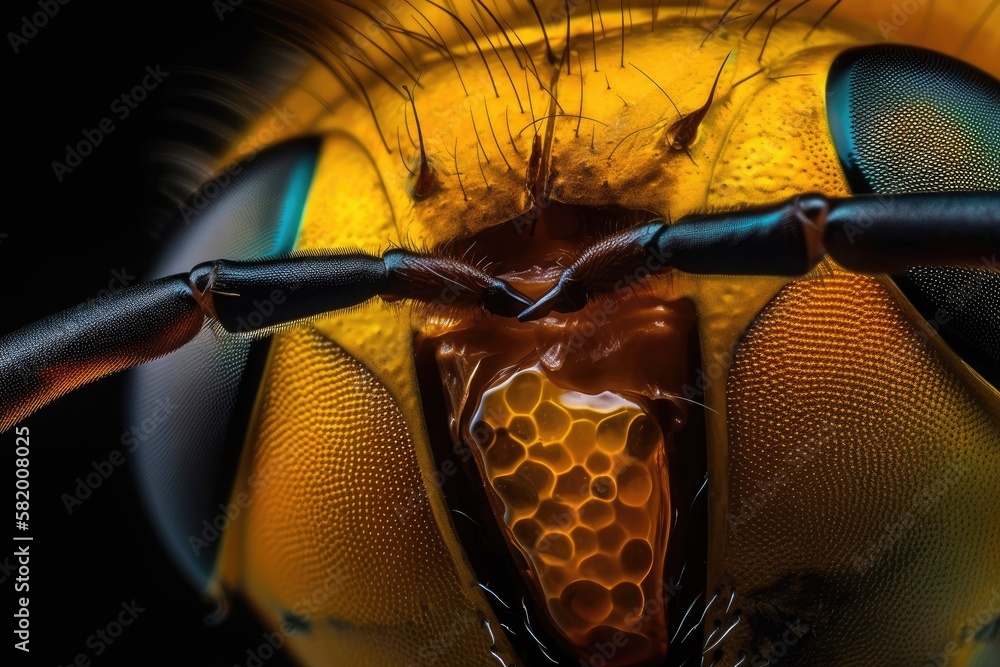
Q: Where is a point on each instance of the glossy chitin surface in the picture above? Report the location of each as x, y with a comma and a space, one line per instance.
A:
583, 489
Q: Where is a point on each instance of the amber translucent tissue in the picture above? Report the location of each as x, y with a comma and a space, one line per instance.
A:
582, 489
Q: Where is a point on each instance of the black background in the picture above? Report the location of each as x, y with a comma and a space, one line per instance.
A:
63, 242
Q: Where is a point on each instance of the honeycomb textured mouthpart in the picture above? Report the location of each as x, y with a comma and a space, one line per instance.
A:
581, 490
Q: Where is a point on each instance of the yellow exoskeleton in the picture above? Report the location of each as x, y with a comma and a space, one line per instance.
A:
698, 469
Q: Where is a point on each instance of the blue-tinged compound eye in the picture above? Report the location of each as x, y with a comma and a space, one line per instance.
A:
189, 409
906, 119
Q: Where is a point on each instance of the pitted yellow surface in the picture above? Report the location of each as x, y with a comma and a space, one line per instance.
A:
337, 526
838, 400
583, 487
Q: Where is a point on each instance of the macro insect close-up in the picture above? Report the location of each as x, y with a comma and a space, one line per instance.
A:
561, 332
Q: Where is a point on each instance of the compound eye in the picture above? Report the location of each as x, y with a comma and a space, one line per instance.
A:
188, 411
906, 119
